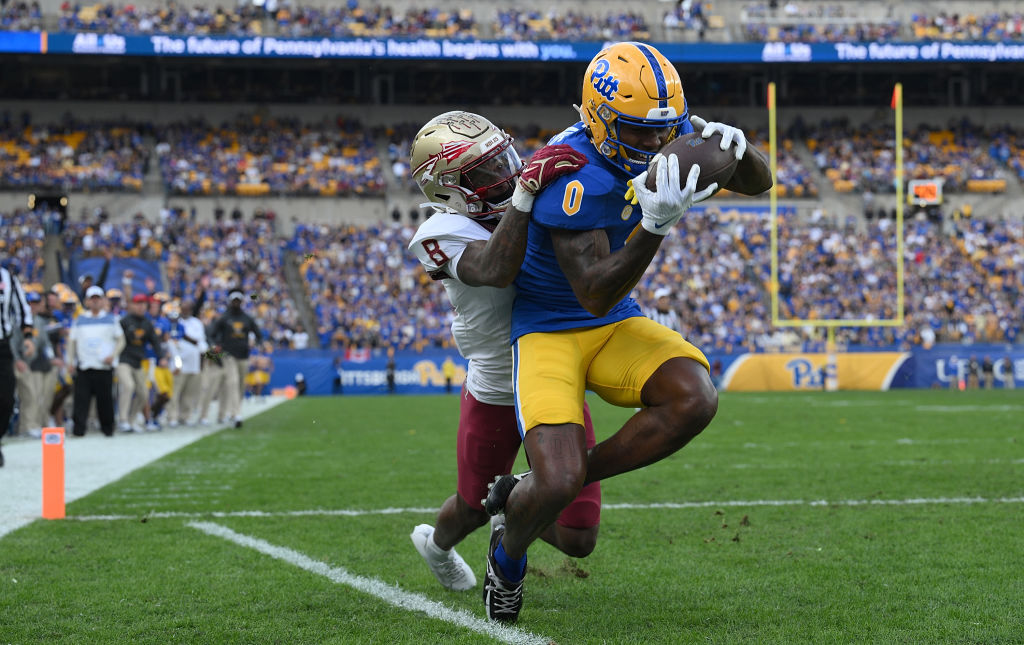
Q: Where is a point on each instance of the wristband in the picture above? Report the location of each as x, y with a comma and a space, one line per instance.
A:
522, 199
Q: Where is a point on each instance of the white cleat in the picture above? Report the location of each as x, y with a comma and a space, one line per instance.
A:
448, 567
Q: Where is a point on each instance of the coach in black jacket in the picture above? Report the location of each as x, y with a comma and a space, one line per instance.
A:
131, 379
230, 339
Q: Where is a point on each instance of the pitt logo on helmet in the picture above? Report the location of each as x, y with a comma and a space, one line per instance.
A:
605, 83
631, 84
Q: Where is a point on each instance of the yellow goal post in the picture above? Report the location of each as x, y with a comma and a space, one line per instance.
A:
831, 324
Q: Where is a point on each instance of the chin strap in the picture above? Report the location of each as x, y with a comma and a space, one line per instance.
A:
440, 208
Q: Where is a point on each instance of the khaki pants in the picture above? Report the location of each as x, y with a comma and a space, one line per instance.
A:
235, 370
30, 396
185, 396
47, 395
212, 387
131, 392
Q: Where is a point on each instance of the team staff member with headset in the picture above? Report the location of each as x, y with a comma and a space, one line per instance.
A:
230, 339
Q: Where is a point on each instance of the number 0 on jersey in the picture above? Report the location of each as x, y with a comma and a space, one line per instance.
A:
573, 197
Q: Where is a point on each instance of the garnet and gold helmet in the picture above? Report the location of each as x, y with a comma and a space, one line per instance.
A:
466, 164
634, 84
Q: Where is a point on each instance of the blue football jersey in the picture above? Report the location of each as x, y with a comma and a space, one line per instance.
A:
162, 326
591, 198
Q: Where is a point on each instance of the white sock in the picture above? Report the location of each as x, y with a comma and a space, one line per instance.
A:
435, 552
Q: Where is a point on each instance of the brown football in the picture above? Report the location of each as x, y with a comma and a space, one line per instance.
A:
716, 165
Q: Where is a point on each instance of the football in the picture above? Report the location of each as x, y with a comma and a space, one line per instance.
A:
716, 165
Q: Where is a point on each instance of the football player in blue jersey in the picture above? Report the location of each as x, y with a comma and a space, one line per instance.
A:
574, 326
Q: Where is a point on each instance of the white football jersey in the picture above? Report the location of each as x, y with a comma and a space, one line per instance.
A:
483, 315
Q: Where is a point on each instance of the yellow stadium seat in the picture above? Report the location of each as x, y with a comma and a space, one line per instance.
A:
986, 185
253, 190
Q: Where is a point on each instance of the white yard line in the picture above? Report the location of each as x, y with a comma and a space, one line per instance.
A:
912, 501
90, 462
388, 593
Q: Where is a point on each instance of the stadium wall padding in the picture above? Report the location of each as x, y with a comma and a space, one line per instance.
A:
142, 271
420, 373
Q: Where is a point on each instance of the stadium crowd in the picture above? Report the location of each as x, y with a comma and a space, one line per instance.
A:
788, 21
962, 286
864, 155
224, 260
365, 288
253, 155
848, 22
258, 155
21, 16
964, 281
213, 258
813, 22
174, 18
72, 155
21, 243
517, 24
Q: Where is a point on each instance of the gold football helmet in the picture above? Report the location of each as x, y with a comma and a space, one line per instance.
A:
465, 164
634, 84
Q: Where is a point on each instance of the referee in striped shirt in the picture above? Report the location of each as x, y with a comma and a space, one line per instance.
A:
662, 313
14, 311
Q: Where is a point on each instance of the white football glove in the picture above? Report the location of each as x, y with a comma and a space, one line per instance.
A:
663, 207
730, 134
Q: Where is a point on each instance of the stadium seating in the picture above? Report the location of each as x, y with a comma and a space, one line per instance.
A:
963, 280
72, 155
724, 20
218, 258
254, 156
21, 243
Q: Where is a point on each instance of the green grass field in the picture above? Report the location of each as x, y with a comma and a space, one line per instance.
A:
794, 518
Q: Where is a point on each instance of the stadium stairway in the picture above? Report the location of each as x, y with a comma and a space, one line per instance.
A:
53, 251
832, 203
152, 182
290, 262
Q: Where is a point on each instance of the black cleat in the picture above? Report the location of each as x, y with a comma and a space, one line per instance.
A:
502, 599
499, 491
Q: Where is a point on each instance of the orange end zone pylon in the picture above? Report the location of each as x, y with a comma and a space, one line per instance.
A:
53, 473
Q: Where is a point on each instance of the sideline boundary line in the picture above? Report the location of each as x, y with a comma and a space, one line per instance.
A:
388, 593
913, 501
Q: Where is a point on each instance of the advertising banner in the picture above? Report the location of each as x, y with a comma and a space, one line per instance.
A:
950, 367
808, 371
366, 372
112, 44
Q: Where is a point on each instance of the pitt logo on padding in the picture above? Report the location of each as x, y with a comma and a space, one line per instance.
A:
606, 84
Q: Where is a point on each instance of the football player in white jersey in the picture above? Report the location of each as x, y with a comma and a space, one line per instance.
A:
474, 244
